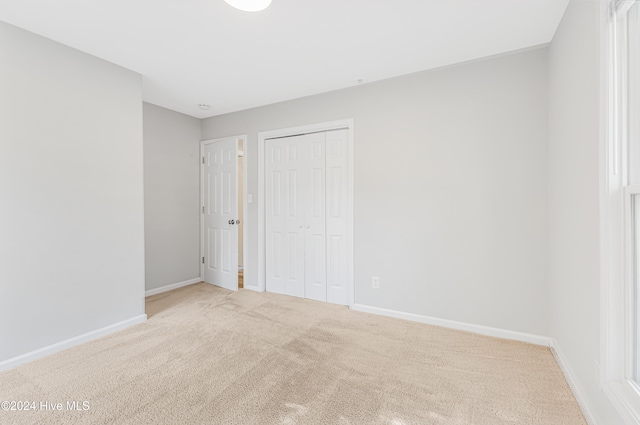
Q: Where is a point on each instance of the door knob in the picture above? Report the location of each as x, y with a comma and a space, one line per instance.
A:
231, 222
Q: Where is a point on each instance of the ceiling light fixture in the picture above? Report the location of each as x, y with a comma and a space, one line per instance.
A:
249, 5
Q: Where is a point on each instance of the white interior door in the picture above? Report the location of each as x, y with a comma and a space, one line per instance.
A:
305, 223
220, 213
337, 215
296, 217
285, 216
315, 265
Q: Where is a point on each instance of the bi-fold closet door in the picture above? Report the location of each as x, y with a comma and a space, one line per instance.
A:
306, 216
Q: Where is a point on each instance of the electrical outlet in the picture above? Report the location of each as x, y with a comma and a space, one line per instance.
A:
375, 282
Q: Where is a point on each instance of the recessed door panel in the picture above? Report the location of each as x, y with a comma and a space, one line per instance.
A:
227, 193
276, 246
315, 267
214, 189
212, 264
336, 262
276, 194
292, 257
317, 193
292, 198
335, 192
225, 245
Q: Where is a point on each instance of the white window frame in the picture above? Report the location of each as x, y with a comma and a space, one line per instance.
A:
617, 244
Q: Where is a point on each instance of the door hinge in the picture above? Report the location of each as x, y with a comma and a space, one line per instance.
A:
203, 159
203, 210
202, 260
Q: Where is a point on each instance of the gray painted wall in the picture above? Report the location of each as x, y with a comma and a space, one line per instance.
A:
450, 188
574, 116
71, 193
453, 183
171, 196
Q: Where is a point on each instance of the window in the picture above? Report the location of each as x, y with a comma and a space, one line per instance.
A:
621, 212
633, 209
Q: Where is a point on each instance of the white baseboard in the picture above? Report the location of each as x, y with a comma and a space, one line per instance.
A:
71, 342
568, 375
172, 286
452, 324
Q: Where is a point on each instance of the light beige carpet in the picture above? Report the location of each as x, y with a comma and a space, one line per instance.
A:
211, 356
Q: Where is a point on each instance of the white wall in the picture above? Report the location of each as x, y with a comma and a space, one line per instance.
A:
574, 273
71, 193
450, 188
171, 196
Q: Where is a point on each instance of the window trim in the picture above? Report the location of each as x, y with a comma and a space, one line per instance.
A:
617, 287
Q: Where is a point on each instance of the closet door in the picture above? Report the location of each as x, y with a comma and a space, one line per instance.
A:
337, 221
315, 264
307, 216
285, 209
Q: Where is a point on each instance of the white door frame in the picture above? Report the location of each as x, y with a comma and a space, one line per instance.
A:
293, 131
243, 138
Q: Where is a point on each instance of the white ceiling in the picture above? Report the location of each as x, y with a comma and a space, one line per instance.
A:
203, 51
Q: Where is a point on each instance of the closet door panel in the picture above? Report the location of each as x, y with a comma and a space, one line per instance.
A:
337, 202
274, 220
284, 218
315, 238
